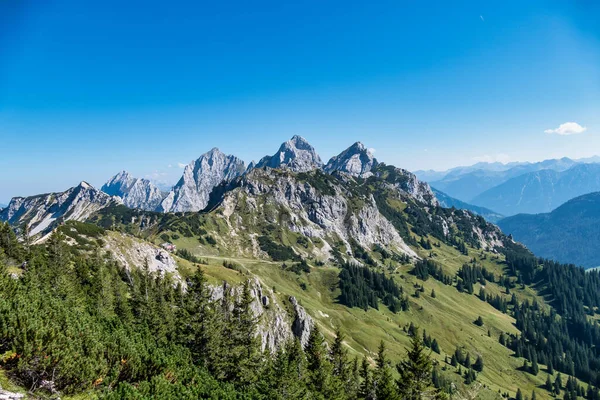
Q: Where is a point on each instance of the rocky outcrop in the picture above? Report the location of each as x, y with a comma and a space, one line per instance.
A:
406, 183
296, 154
135, 192
135, 253
273, 326
356, 161
303, 323
42, 213
6, 395
199, 178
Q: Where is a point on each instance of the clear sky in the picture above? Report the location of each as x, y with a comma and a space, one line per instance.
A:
90, 88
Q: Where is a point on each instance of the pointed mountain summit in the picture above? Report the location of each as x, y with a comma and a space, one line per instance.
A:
199, 178
356, 160
42, 213
135, 192
296, 155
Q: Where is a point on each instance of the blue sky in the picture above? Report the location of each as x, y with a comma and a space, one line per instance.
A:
89, 89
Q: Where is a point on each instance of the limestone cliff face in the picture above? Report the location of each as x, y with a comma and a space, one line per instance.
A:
315, 205
199, 178
135, 192
356, 160
296, 154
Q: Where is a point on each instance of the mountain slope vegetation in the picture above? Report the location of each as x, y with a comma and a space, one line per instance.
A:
330, 278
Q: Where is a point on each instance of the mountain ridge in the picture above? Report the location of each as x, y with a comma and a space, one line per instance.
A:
568, 234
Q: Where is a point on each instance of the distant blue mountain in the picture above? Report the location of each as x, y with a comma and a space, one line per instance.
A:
569, 234
449, 202
466, 183
540, 191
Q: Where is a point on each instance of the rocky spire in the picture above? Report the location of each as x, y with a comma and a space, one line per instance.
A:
356, 160
296, 155
199, 178
135, 192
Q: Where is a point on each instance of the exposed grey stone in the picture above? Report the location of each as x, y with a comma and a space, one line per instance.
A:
296, 154
199, 178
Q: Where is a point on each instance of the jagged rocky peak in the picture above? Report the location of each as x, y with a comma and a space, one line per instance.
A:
119, 184
199, 178
296, 155
42, 213
135, 192
356, 160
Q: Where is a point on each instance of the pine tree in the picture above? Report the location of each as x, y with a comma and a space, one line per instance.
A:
535, 369
478, 366
366, 386
384, 382
519, 395
414, 371
318, 366
549, 386
338, 357
435, 346
246, 353
558, 384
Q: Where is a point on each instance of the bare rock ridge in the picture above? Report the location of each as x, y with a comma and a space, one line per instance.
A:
40, 214
356, 160
274, 328
325, 215
135, 192
199, 178
296, 155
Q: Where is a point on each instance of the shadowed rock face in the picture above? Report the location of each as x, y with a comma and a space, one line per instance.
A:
135, 192
199, 178
296, 155
356, 160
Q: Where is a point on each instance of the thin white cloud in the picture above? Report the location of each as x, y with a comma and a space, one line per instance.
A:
181, 165
481, 16
568, 128
170, 166
502, 158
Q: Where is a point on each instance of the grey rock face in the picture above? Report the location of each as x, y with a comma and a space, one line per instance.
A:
331, 216
135, 253
356, 160
135, 192
303, 323
296, 155
274, 328
199, 178
406, 183
6, 395
42, 213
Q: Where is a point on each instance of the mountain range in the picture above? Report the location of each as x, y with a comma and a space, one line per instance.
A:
569, 234
514, 188
449, 202
352, 244
39, 215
